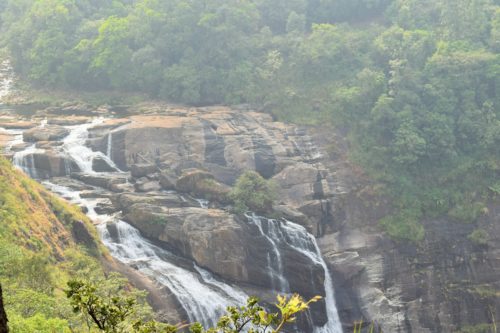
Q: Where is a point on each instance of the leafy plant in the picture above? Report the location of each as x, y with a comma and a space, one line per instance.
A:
479, 237
113, 314
253, 192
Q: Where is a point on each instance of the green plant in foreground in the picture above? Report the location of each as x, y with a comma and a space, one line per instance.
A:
112, 315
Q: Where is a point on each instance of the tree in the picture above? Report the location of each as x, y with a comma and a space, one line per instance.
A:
253, 192
108, 303
110, 315
3, 316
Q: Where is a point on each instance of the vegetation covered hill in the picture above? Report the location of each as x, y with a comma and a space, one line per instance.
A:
413, 83
44, 242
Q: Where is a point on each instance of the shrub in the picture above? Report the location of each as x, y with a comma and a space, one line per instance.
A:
404, 226
253, 192
480, 328
467, 212
479, 237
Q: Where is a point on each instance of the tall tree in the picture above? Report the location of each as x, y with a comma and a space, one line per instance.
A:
3, 315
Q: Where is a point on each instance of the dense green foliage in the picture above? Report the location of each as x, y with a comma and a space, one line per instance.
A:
253, 192
117, 313
413, 83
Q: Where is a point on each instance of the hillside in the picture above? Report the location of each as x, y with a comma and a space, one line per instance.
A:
43, 242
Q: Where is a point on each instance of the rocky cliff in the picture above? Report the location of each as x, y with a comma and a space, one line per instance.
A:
168, 174
173, 156
450, 282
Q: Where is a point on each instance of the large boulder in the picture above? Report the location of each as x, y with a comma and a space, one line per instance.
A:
167, 180
202, 184
105, 181
146, 185
212, 238
125, 201
100, 164
142, 170
190, 179
68, 121
47, 133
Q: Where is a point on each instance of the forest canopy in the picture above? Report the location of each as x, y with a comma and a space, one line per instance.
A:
414, 83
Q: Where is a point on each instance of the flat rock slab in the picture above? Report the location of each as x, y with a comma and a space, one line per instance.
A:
48, 133
17, 124
68, 121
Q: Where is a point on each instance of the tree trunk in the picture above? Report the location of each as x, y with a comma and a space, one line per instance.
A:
3, 316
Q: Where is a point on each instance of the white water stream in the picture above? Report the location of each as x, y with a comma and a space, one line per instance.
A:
74, 146
6, 79
202, 296
286, 233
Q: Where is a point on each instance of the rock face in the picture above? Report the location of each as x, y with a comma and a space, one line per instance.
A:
3, 316
444, 284
185, 149
179, 155
48, 133
200, 152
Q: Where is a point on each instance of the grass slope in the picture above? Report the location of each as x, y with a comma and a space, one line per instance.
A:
44, 241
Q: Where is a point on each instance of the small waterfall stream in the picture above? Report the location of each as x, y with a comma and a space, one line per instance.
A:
286, 233
74, 146
6, 79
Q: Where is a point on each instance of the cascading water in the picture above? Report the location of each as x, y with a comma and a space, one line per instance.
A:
73, 146
203, 297
6, 79
203, 203
274, 262
288, 233
25, 160
109, 148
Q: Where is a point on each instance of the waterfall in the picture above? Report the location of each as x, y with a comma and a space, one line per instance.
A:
203, 203
274, 262
74, 146
291, 234
109, 148
25, 160
18, 138
6, 79
202, 296
75, 198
